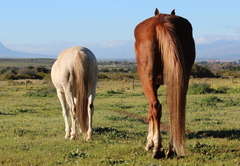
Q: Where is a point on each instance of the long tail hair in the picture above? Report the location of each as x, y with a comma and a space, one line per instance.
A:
175, 79
81, 85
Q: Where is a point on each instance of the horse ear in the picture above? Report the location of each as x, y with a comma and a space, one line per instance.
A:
156, 12
173, 12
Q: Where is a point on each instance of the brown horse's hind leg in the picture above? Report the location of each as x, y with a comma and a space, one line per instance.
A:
150, 143
158, 151
171, 153
154, 116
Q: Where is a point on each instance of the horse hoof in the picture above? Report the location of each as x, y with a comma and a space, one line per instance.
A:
89, 139
171, 154
67, 136
147, 148
159, 154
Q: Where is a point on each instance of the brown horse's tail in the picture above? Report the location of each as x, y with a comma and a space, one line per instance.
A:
81, 76
175, 79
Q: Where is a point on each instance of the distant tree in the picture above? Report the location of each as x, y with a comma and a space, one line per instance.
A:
4, 70
121, 70
105, 70
42, 70
30, 67
11, 72
27, 71
213, 65
201, 72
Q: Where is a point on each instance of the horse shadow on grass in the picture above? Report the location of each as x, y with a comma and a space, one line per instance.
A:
229, 134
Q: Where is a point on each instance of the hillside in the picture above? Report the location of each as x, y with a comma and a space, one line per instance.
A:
7, 53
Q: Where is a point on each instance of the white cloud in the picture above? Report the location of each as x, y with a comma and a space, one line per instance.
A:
218, 47
236, 29
116, 43
213, 38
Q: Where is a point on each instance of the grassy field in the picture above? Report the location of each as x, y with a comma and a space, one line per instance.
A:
32, 127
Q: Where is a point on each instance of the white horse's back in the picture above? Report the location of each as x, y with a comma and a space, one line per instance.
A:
75, 75
63, 67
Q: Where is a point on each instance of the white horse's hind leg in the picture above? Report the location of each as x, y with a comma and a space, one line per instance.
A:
75, 101
70, 100
73, 131
65, 112
90, 115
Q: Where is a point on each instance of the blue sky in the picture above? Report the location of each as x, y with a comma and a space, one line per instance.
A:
49, 26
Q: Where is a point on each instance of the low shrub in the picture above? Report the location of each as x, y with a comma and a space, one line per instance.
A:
211, 101
204, 88
200, 88
222, 89
231, 102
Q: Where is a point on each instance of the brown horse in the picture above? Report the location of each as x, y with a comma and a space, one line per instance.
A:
165, 53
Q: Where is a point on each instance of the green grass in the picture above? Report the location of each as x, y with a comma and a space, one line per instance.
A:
32, 127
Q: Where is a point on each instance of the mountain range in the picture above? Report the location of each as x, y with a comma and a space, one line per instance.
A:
8, 53
219, 50
123, 50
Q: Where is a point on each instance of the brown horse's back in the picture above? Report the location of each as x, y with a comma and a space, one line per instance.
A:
146, 38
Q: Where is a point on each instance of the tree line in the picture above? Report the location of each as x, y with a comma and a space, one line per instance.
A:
29, 72
123, 70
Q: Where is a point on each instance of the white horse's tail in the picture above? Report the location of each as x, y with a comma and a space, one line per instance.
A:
81, 83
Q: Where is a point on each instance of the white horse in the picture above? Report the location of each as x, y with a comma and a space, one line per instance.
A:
75, 75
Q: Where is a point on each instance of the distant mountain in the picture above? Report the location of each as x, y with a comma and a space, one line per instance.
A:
7, 53
219, 50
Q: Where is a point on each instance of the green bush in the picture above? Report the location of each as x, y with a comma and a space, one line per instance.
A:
4, 70
234, 90
102, 76
211, 101
204, 88
231, 102
222, 89
200, 88
201, 72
